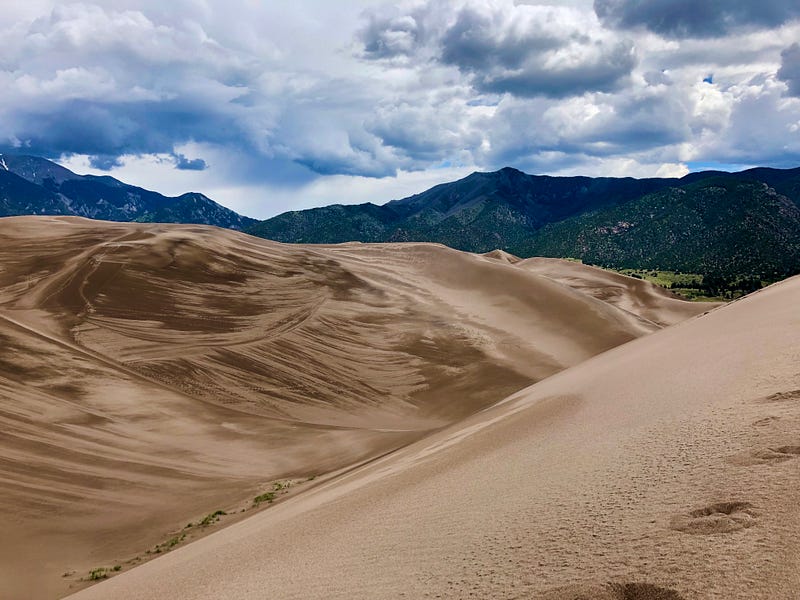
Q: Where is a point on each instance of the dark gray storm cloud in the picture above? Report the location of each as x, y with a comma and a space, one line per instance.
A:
478, 40
790, 68
104, 162
693, 18
189, 164
526, 60
525, 50
86, 80
600, 74
105, 129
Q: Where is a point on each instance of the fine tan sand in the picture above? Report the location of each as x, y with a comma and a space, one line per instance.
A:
666, 468
636, 296
152, 374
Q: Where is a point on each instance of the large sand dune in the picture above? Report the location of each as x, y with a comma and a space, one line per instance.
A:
666, 468
150, 374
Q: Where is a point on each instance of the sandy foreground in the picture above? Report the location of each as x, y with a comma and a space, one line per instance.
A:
151, 374
667, 467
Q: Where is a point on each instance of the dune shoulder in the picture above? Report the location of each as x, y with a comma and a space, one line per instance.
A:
640, 297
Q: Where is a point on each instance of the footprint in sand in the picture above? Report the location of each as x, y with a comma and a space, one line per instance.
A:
721, 517
782, 396
613, 591
766, 421
766, 456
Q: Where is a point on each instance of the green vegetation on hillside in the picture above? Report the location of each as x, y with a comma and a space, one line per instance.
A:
694, 286
740, 227
734, 231
479, 213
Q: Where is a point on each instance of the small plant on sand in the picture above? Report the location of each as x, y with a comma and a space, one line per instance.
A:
211, 518
265, 497
168, 545
98, 574
117, 568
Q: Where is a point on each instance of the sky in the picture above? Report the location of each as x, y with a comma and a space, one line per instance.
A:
268, 106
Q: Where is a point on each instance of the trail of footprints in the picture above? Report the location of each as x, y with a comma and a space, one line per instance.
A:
777, 454
716, 518
727, 517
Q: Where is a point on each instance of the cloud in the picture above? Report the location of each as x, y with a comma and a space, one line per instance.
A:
323, 98
649, 123
534, 50
390, 36
104, 83
689, 18
105, 162
758, 127
525, 50
790, 68
189, 164
95, 80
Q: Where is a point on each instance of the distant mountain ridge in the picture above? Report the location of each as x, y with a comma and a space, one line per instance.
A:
479, 213
701, 222
744, 224
720, 225
31, 185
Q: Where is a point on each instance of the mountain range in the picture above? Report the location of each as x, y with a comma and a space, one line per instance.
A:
711, 222
731, 224
719, 225
30, 185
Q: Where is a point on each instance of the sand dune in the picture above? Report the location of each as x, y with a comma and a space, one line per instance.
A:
620, 477
151, 374
503, 256
636, 296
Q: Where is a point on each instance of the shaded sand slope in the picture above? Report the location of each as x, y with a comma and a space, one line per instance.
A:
666, 468
150, 374
637, 296
97, 464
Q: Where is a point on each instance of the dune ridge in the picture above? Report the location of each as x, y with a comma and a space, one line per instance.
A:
153, 373
636, 296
